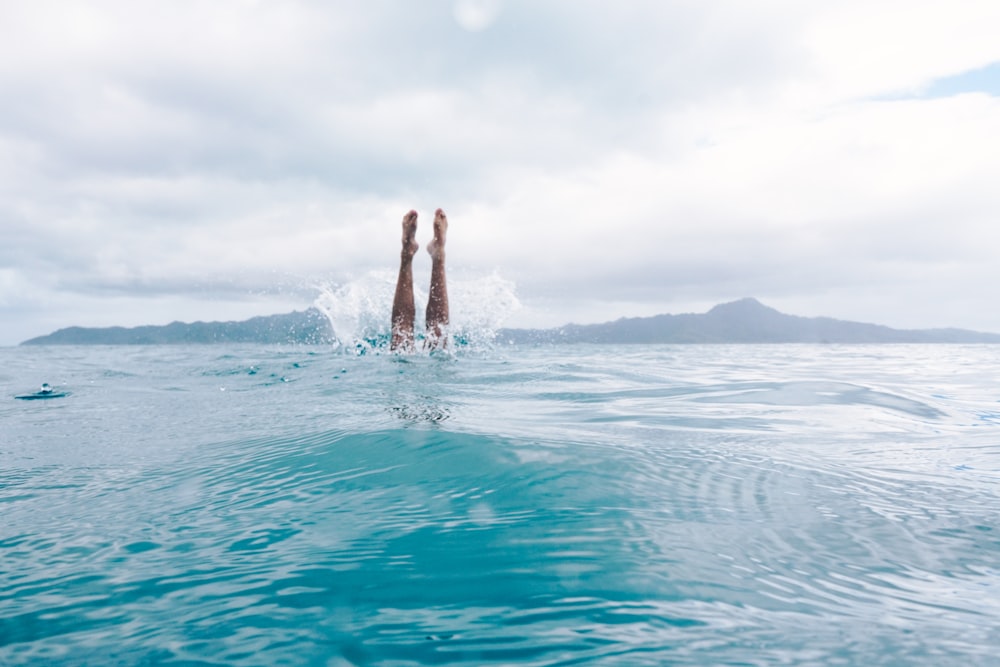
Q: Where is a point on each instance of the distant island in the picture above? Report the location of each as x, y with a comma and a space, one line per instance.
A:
309, 327
743, 321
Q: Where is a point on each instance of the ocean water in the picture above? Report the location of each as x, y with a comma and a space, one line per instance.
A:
552, 505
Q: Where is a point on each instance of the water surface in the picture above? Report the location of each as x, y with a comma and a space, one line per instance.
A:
573, 505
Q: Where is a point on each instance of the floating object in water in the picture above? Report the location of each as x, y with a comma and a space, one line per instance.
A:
45, 392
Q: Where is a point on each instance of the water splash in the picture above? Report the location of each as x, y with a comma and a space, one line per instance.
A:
360, 310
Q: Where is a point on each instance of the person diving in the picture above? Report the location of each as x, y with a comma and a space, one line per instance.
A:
403, 310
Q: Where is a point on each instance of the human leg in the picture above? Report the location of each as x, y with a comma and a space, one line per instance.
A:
437, 299
403, 310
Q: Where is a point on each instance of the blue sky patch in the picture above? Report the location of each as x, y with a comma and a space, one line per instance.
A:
982, 80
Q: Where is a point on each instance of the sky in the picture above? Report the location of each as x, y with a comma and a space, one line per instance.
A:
215, 160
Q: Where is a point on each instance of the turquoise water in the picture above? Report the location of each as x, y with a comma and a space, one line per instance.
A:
642, 505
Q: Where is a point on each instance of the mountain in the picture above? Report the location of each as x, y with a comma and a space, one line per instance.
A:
743, 321
307, 327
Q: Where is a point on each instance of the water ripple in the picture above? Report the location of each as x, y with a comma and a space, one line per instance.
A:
656, 506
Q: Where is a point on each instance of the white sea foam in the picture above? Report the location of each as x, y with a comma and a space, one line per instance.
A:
360, 310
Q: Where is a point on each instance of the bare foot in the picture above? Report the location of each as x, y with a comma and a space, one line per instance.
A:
436, 247
410, 245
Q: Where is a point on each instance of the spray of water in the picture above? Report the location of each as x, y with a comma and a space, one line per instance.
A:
360, 310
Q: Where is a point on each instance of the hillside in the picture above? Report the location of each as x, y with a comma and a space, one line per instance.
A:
743, 321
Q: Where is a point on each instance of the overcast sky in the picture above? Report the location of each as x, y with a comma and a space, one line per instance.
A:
190, 160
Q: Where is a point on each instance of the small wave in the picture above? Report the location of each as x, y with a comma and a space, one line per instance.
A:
815, 393
360, 311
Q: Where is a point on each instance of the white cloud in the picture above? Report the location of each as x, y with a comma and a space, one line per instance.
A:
476, 15
869, 49
611, 159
